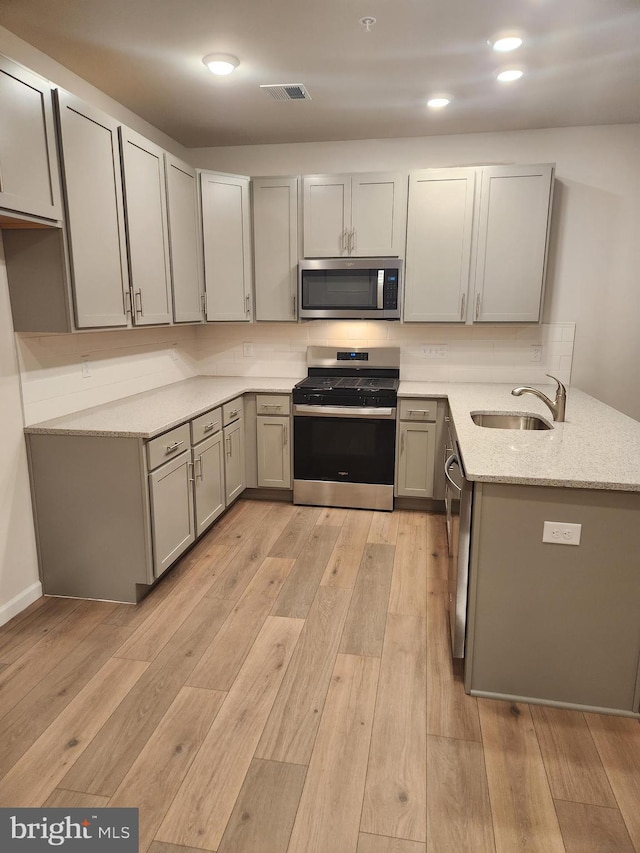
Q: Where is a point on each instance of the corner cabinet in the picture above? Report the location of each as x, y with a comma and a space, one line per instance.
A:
227, 246
275, 247
477, 244
361, 215
29, 177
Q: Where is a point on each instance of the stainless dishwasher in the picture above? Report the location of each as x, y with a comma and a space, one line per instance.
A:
458, 499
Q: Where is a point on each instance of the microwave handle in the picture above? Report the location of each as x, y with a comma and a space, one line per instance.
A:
380, 289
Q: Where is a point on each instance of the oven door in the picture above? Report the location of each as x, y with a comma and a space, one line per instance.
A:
344, 456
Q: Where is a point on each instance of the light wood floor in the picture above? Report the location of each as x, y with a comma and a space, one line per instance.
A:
288, 687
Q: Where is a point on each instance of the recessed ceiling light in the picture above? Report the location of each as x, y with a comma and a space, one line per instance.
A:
509, 75
221, 63
503, 45
438, 103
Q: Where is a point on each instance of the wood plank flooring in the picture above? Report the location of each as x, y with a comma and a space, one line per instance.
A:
288, 688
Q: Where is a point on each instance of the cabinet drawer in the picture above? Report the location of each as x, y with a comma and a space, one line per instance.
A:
167, 446
418, 410
232, 410
206, 425
273, 404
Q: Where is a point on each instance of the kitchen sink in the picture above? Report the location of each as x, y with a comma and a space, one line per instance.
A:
487, 419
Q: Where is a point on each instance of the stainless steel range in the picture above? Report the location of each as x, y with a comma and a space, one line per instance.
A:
345, 428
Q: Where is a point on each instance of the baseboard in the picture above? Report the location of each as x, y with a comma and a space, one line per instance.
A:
19, 602
262, 494
424, 504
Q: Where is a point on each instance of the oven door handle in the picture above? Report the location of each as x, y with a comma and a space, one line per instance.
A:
370, 412
448, 465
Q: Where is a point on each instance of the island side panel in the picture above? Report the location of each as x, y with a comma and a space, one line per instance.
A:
551, 622
92, 515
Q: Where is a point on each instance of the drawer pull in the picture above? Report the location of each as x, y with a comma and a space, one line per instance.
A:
199, 474
209, 427
285, 437
418, 411
271, 406
171, 448
233, 414
191, 477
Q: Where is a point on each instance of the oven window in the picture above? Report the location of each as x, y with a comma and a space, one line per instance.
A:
349, 450
340, 289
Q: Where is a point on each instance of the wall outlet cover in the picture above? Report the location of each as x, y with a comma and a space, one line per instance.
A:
561, 533
247, 350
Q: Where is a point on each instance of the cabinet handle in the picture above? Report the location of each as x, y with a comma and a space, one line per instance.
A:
478, 300
294, 306
191, 478
209, 427
285, 437
199, 472
463, 305
248, 307
233, 414
228, 442
138, 297
127, 302
401, 444
418, 411
203, 299
345, 247
171, 448
271, 406
352, 242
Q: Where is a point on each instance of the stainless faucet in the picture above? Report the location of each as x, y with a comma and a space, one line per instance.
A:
557, 406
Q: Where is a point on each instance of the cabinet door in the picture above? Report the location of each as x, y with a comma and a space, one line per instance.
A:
326, 211
275, 245
515, 205
147, 237
274, 453
378, 215
29, 178
439, 245
415, 460
185, 241
208, 461
227, 253
95, 215
234, 460
172, 523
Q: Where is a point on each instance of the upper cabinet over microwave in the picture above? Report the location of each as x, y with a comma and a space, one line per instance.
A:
362, 215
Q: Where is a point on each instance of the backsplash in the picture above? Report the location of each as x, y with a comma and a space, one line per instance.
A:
121, 363
482, 353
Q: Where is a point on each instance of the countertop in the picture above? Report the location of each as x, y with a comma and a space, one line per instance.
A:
596, 447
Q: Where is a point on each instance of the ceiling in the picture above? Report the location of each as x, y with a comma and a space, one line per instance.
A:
581, 61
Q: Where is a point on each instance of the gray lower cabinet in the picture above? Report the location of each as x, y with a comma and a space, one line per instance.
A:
29, 178
208, 475
172, 516
234, 449
553, 623
416, 448
273, 440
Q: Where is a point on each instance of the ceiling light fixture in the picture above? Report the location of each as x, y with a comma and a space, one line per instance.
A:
221, 63
507, 43
438, 103
509, 75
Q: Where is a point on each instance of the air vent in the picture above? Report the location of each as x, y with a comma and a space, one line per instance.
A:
287, 91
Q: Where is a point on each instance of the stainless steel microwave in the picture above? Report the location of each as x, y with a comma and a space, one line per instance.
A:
350, 289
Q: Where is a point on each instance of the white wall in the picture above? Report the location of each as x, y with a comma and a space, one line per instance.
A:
595, 249
19, 581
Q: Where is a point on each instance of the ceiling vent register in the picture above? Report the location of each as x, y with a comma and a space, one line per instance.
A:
287, 91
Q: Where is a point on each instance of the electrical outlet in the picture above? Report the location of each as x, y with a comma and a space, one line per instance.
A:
562, 533
84, 364
435, 350
247, 350
174, 352
536, 352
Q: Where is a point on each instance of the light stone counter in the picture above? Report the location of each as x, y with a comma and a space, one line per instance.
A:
596, 447
154, 412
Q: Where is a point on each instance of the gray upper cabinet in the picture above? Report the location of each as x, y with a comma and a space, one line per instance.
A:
29, 177
147, 235
439, 229
354, 215
227, 245
95, 214
185, 241
513, 227
275, 245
